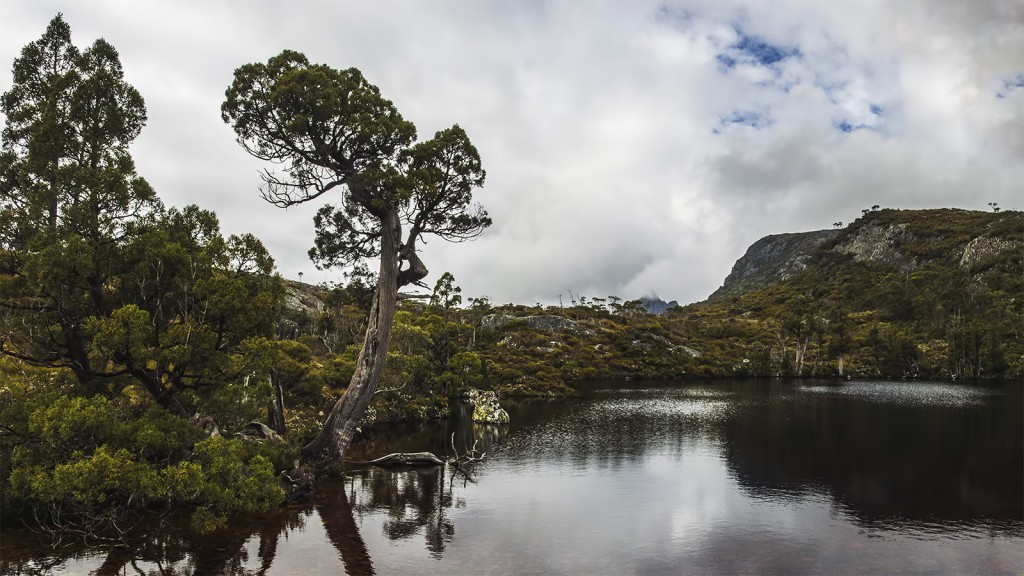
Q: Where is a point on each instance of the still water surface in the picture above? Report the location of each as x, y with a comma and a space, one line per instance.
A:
656, 478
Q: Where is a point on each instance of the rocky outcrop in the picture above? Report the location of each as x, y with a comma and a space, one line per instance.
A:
544, 323
772, 259
486, 409
984, 247
903, 240
878, 244
300, 305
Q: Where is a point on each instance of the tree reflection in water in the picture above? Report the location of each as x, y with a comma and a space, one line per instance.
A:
343, 532
158, 549
415, 501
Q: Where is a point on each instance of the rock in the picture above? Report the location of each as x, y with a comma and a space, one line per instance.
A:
298, 483
878, 243
771, 259
545, 322
302, 303
688, 351
983, 247
486, 409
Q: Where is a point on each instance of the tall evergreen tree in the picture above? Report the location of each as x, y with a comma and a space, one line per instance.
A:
69, 192
97, 276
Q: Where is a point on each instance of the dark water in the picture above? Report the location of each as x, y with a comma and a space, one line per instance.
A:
648, 478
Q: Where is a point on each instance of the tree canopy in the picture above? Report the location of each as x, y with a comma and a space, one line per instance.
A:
328, 129
97, 275
120, 318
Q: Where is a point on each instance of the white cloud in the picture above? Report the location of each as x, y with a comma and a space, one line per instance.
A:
597, 121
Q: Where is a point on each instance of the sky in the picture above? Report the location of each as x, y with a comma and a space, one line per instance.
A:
632, 148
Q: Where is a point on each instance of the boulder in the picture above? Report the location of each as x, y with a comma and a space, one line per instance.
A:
486, 409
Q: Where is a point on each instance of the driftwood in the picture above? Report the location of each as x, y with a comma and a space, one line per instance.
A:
428, 459
459, 461
405, 459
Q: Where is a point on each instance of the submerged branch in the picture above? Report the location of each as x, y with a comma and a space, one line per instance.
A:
428, 459
405, 459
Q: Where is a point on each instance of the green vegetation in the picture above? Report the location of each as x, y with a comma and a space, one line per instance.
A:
940, 299
121, 319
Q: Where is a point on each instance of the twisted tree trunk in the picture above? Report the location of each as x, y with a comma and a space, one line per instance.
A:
275, 412
334, 439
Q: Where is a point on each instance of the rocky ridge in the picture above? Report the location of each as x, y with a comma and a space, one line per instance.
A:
771, 259
903, 240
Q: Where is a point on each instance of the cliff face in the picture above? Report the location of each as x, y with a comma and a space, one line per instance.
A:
302, 303
772, 259
878, 243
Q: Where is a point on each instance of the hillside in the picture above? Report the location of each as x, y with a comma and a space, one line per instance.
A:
928, 293
899, 294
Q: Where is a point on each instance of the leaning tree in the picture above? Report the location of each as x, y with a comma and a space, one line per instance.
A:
331, 131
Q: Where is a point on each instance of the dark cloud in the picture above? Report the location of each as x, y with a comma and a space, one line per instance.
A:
631, 147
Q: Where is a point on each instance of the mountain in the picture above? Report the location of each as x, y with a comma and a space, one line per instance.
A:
904, 293
903, 240
655, 305
771, 259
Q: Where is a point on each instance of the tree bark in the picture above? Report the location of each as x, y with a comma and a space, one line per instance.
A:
275, 412
337, 433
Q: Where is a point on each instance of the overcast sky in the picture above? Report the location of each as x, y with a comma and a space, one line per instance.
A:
631, 148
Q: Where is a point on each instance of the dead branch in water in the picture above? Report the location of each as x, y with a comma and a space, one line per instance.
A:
419, 459
459, 462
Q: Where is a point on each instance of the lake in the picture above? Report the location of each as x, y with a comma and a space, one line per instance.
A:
652, 478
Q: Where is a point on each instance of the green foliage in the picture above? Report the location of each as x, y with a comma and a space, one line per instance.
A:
930, 314
101, 278
233, 479
121, 317
292, 362
96, 461
328, 373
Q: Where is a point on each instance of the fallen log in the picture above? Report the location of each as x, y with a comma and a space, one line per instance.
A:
424, 459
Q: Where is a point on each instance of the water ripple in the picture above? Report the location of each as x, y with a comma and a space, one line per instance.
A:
908, 393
